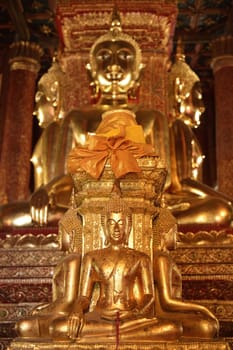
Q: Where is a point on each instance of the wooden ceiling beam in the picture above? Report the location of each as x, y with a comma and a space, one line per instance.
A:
193, 37
204, 11
15, 10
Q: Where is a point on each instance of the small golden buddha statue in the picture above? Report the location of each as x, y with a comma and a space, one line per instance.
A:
197, 320
116, 292
126, 293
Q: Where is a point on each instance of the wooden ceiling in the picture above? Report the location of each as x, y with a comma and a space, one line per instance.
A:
199, 22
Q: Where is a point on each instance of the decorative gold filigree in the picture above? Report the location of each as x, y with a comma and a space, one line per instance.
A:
212, 237
202, 345
30, 241
25, 55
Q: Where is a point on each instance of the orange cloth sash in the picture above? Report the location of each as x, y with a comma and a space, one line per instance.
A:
121, 152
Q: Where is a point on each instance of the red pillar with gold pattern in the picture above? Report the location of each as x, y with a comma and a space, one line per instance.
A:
222, 66
17, 134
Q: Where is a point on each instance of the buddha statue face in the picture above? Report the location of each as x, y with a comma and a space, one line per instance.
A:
116, 225
196, 105
115, 62
116, 221
192, 106
48, 96
115, 66
44, 108
185, 91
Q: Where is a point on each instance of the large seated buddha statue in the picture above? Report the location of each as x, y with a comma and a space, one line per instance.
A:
191, 201
48, 157
115, 70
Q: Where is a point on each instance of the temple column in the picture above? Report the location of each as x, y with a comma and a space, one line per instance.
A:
17, 134
222, 65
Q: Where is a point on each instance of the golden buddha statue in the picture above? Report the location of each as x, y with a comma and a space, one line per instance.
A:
186, 108
125, 291
50, 151
48, 158
135, 295
196, 320
113, 78
124, 277
191, 201
115, 69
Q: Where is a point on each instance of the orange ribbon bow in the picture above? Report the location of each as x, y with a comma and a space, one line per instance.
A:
121, 152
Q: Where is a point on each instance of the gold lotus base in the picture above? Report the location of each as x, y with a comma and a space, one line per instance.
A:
20, 344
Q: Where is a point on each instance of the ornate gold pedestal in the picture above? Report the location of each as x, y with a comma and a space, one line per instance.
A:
18, 344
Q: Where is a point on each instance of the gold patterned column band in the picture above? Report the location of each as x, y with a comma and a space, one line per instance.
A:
199, 345
25, 56
222, 52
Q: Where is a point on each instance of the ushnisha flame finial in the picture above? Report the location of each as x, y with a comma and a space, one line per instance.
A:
116, 22
180, 50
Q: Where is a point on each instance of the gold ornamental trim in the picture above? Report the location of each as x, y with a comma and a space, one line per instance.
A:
25, 55
222, 62
200, 345
204, 255
202, 238
223, 310
24, 63
81, 25
30, 257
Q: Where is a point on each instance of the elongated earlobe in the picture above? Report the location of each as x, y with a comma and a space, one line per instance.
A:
106, 241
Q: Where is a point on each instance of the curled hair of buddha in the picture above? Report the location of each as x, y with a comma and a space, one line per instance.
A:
116, 205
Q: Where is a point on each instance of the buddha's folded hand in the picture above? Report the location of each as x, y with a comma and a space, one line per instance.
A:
39, 207
75, 324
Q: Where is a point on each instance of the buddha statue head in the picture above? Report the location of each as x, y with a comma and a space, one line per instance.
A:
48, 97
185, 92
116, 221
115, 63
